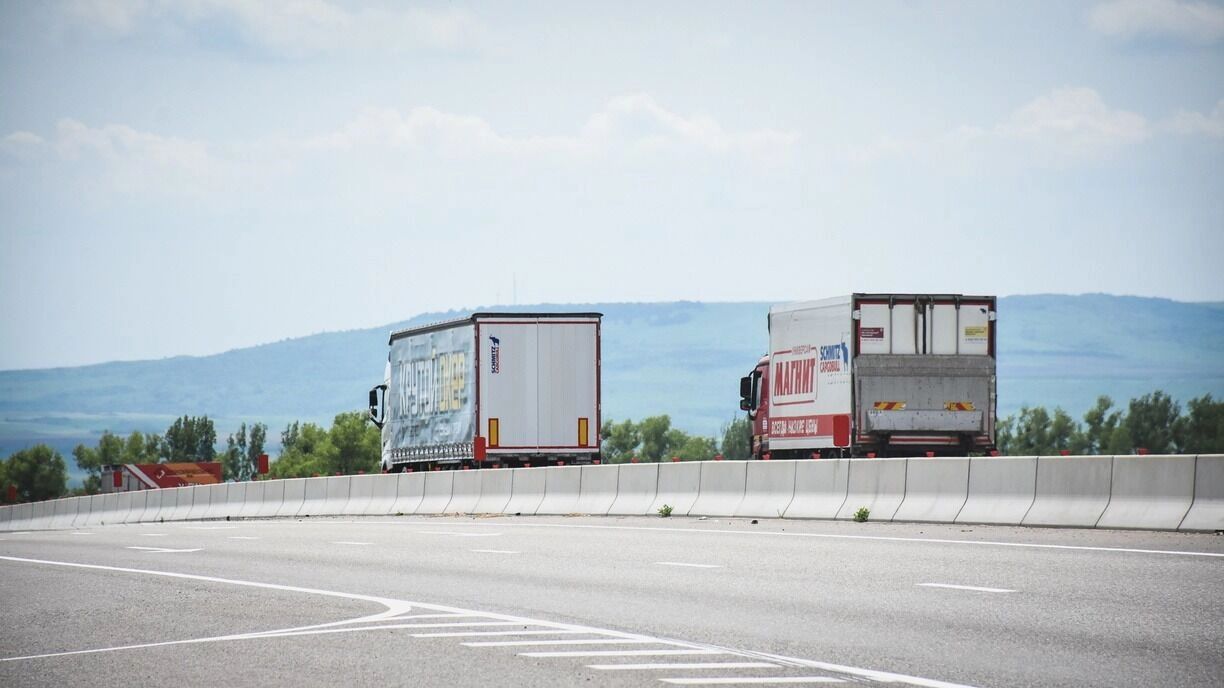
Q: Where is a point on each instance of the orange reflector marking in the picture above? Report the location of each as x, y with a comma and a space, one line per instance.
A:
493, 432
959, 406
582, 432
889, 405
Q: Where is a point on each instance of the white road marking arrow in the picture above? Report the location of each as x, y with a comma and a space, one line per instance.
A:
165, 549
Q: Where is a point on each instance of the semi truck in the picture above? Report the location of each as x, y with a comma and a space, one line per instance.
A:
491, 389
875, 375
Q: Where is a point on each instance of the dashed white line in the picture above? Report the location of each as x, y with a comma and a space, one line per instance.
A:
154, 534
212, 527
81, 533
243, 537
567, 641
165, 549
470, 634
963, 587
682, 665
741, 680
622, 653
456, 534
351, 542
429, 616
495, 551
694, 566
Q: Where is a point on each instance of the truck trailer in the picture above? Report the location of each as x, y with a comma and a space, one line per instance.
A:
491, 389
875, 375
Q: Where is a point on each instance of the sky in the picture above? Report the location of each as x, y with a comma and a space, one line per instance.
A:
192, 176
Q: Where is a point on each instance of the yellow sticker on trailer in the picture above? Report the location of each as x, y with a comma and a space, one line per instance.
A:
889, 405
959, 405
976, 331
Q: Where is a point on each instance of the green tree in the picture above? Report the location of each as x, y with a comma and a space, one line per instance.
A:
141, 448
1099, 425
1201, 429
737, 439
309, 453
656, 438
190, 438
1034, 432
1152, 422
620, 441
108, 452
233, 460
256, 438
357, 443
38, 472
696, 448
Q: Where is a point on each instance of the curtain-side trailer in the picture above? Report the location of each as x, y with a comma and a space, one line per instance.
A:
507, 389
882, 374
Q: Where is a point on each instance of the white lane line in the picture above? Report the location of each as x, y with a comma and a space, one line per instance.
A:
212, 527
394, 607
623, 653
165, 549
695, 566
743, 680
350, 542
682, 665
430, 616
242, 537
481, 634
962, 587
495, 551
154, 534
80, 533
568, 641
830, 536
455, 534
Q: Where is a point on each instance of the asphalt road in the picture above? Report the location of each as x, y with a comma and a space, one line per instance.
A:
509, 601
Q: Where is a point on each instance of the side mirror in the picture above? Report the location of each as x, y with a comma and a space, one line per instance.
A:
745, 390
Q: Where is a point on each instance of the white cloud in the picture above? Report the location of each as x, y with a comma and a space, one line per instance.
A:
1194, 22
1197, 123
1064, 125
292, 28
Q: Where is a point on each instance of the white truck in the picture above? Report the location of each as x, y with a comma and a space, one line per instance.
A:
875, 375
491, 389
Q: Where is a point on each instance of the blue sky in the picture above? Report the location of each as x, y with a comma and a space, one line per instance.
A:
188, 177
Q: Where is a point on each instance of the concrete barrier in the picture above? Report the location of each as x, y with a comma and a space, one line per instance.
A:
769, 489
40, 514
202, 500
136, 508
264, 499
64, 511
495, 490
439, 488
1001, 489
153, 505
409, 493
82, 515
1150, 492
253, 498
721, 488
935, 490
878, 484
1207, 512
637, 485
314, 497
293, 496
1070, 491
678, 487
6, 517
20, 517
820, 488
361, 491
383, 490
562, 487
465, 492
101, 508
235, 498
527, 490
598, 490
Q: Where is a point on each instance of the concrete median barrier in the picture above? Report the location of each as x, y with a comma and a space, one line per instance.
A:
40, 515
136, 508
678, 486
527, 491
465, 493
235, 498
409, 493
101, 510
184, 497
495, 490
293, 497
264, 499
935, 490
83, 508
335, 496
20, 517
314, 497
1149, 492
201, 500
153, 506
1071, 491
599, 489
1207, 511
6, 517
64, 511
253, 500
721, 488
562, 487
878, 484
439, 489
637, 485
820, 488
769, 489
361, 491
1001, 490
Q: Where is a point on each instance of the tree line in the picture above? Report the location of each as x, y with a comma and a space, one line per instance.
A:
653, 439
1153, 423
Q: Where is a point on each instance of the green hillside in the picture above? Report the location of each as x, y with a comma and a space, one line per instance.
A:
679, 358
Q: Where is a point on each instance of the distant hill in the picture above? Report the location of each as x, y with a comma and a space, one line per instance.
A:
679, 358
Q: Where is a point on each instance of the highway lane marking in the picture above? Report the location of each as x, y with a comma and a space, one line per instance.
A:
495, 551
831, 536
428, 616
395, 608
443, 532
622, 653
165, 549
963, 587
351, 542
732, 680
470, 634
683, 665
80, 533
695, 566
211, 527
154, 534
243, 537
566, 641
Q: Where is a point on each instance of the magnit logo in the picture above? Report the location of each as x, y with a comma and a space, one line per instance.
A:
833, 356
494, 355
